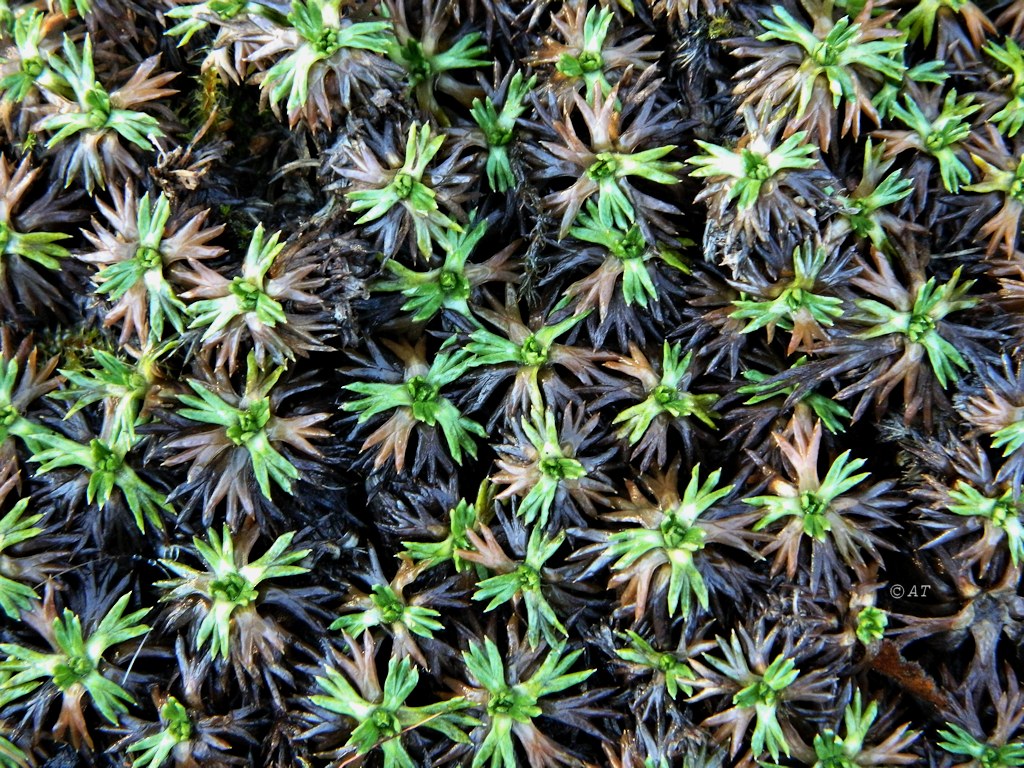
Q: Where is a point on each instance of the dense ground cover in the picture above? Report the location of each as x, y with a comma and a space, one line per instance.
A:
496, 384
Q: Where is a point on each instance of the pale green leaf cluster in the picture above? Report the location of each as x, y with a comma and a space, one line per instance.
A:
1001, 513
871, 624
609, 168
509, 704
836, 57
423, 65
15, 528
177, 729
323, 33
1009, 182
463, 517
406, 188
146, 269
196, 17
12, 422
848, 750
499, 128
588, 64
554, 466
525, 585
104, 462
762, 695
796, 298
489, 348
121, 386
382, 723
920, 325
94, 113
813, 508
829, 412
245, 424
1010, 438
958, 741
630, 249
674, 543
941, 137
750, 168
1010, 119
228, 584
76, 663
864, 209
444, 287
421, 397
920, 20
35, 71
668, 398
40, 247
388, 608
248, 294
676, 675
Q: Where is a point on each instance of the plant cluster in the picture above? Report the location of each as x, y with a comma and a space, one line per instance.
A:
530, 382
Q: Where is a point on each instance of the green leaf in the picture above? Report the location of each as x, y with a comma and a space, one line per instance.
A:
157, 748
958, 741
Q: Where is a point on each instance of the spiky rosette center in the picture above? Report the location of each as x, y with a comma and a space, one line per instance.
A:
421, 390
105, 459
920, 325
509, 702
233, 588
501, 703
991, 758
453, 283
794, 298
666, 662
664, 394
760, 692
871, 624
33, 67
417, 63
528, 578
499, 136
72, 671
8, 415
533, 351
1016, 188
589, 62
388, 605
148, 257
939, 139
386, 723
755, 166
561, 468
327, 43
826, 53
632, 244
604, 167
678, 535
249, 422
814, 510
403, 185
1003, 512
98, 102
247, 293
176, 716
